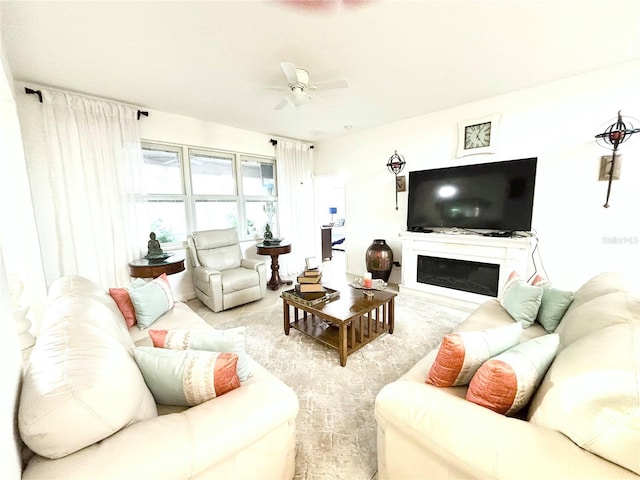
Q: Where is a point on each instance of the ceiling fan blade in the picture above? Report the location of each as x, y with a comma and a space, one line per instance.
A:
315, 98
289, 70
281, 104
330, 85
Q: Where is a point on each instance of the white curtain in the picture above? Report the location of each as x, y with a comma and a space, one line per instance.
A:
85, 207
294, 168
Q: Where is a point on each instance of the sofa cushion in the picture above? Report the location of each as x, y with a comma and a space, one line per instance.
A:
591, 392
187, 377
231, 340
602, 284
521, 300
506, 382
237, 279
600, 302
460, 354
151, 300
218, 249
81, 383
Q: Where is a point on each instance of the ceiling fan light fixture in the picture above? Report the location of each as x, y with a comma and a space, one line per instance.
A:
298, 86
298, 97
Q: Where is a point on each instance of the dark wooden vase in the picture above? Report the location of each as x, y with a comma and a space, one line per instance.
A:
379, 259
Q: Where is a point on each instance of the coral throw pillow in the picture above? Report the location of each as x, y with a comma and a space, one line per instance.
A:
123, 301
507, 382
461, 354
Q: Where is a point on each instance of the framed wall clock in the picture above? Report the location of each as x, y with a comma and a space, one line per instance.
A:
478, 135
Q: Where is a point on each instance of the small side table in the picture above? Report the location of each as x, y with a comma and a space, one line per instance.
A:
143, 268
275, 251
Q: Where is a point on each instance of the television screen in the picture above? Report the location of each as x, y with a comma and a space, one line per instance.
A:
487, 196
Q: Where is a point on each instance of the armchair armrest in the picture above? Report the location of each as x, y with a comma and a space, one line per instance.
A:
251, 263
472, 441
203, 275
193, 254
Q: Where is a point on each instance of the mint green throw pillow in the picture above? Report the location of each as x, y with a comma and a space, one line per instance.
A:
186, 377
553, 307
521, 300
151, 300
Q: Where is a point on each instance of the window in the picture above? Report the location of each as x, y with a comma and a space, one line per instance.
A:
210, 190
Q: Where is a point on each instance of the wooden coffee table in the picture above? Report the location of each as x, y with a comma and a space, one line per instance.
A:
346, 323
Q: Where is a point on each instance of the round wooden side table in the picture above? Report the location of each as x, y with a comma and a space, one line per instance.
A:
275, 251
143, 268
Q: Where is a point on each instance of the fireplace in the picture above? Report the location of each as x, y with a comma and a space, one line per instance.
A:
462, 271
467, 276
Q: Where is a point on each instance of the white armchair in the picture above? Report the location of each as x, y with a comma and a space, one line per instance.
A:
222, 278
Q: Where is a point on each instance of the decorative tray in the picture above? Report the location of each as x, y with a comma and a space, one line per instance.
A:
292, 295
158, 257
376, 284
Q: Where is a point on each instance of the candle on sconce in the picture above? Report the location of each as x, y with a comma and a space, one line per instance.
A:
367, 281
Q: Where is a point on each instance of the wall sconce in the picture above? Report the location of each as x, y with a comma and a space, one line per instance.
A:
618, 132
395, 164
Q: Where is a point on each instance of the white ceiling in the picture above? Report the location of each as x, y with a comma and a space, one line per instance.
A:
217, 61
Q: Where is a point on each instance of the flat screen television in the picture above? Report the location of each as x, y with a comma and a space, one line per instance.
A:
495, 196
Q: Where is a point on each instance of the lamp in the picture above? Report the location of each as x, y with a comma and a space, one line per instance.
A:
618, 132
395, 164
333, 211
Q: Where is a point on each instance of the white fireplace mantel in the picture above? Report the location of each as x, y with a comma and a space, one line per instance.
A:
511, 254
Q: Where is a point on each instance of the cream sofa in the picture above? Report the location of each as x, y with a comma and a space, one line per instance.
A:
96, 396
583, 421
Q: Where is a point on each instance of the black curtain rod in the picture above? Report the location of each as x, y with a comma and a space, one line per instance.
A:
275, 142
31, 91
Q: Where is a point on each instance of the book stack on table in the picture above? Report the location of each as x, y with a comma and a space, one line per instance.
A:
309, 286
309, 289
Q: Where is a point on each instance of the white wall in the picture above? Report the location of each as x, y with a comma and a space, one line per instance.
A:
555, 122
10, 356
17, 228
167, 127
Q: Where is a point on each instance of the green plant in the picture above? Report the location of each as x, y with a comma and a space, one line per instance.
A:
164, 234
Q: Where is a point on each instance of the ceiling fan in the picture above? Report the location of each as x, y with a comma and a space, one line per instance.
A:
299, 89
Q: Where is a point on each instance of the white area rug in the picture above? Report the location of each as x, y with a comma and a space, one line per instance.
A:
336, 428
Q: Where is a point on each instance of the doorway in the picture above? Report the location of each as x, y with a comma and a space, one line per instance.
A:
331, 222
